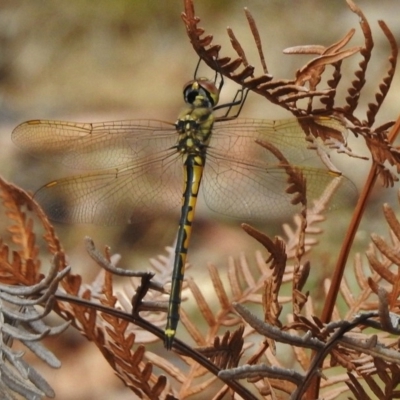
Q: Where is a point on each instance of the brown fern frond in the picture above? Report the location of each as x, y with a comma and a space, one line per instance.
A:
365, 52
21, 209
356, 387
226, 350
239, 50
388, 258
272, 285
219, 356
296, 240
22, 230
383, 384
204, 307
348, 355
220, 291
379, 142
248, 289
329, 99
383, 152
132, 367
276, 249
313, 70
392, 220
297, 183
114, 338
298, 188
384, 87
16, 198
391, 254
285, 92
332, 51
293, 233
257, 39
368, 284
381, 257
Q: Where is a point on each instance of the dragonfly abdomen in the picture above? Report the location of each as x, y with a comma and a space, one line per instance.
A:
193, 172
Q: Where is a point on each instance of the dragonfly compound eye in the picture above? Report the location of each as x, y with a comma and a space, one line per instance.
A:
201, 89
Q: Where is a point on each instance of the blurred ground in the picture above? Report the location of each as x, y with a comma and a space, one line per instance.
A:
92, 61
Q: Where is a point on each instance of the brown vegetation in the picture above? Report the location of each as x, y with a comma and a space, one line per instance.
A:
263, 306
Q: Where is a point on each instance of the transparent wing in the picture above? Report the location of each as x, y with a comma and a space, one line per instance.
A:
94, 145
141, 179
246, 191
144, 181
242, 179
237, 137
137, 192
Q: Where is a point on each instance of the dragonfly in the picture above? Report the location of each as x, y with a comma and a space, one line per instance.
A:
135, 167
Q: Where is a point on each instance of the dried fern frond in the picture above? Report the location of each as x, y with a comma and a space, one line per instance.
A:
20, 321
383, 257
103, 320
389, 374
225, 342
285, 92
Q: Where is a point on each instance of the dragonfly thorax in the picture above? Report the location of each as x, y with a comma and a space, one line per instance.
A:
194, 133
195, 123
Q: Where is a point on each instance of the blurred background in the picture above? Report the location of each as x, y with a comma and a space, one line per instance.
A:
91, 61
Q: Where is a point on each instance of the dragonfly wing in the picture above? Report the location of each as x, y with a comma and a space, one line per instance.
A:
291, 136
238, 190
139, 191
243, 179
93, 145
253, 190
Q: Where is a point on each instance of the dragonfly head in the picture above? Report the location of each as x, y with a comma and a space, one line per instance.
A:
202, 91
